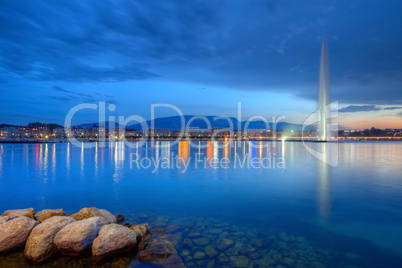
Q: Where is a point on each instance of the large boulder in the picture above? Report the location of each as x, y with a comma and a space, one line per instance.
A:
78, 236
141, 230
27, 212
113, 239
3, 219
15, 232
40, 244
86, 213
48, 213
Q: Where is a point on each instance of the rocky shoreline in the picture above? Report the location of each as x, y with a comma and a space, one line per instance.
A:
161, 240
51, 234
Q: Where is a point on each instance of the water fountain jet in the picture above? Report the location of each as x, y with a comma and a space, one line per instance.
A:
323, 94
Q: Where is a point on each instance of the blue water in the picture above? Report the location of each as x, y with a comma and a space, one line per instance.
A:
349, 214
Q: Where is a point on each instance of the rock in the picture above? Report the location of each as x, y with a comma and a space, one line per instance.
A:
256, 242
222, 258
76, 237
188, 258
15, 232
254, 256
86, 213
27, 212
232, 251
156, 249
199, 255
201, 241
144, 241
172, 228
188, 243
173, 261
141, 230
159, 230
174, 239
3, 219
201, 263
224, 243
283, 236
113, 239
239, 261
238, 234
288, 261
185, 252
48, 213
40, 244
215, 230
210, 251
119, 218
126, 224
194, 234
317, 265
161, 252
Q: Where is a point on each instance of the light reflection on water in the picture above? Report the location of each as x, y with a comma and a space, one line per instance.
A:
359, 199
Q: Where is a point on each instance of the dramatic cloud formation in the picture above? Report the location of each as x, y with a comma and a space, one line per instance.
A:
244, 45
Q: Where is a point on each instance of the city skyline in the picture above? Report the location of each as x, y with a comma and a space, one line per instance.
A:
202, 58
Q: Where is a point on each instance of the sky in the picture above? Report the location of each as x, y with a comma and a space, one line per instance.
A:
203, 57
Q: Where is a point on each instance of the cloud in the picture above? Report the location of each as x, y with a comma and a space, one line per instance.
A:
245, 45
392, 108
50, 41
68, 96
359, 108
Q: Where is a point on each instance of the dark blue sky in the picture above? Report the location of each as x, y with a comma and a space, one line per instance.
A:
203, 56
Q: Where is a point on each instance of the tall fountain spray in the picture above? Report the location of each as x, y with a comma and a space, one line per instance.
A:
323, 93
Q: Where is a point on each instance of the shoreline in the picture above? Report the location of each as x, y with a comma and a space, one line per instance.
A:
360, 139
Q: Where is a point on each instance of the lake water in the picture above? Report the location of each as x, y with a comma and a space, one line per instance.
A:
281, 206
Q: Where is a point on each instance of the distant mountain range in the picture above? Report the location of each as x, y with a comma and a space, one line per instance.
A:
174, 123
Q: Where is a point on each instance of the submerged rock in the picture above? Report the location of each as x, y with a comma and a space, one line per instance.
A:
113, 239
162, 252
224, 243
210, 251
156, 249
201, 241
159, 230
27, 212
222, 258
86, 213
199, 255
188, 243
185, 252
76, 237
283, 236
141, 230
194, 234
172, 228
14, 233
239, 261
40, 244
48, 213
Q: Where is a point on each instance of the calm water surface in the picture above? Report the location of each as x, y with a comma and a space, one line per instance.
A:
279, 205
